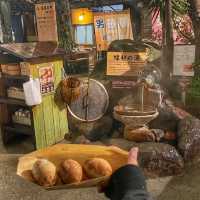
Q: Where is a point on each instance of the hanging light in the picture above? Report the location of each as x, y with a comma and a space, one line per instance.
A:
82, 16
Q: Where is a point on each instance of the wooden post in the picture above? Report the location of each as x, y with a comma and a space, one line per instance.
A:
65, 29
5, 13
168, 44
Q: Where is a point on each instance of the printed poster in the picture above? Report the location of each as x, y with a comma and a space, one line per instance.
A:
184, 57
110, 27
46, 77
46, 22
126, 63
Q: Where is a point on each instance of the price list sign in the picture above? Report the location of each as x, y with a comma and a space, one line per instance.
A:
46, 22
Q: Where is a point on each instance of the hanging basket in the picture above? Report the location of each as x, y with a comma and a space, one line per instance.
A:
70, 90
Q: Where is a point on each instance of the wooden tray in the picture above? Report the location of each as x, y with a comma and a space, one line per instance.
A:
58, 153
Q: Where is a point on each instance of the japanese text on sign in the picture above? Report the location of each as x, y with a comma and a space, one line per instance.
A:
125, 63
46, 76
184, 56
110, 27
46, 21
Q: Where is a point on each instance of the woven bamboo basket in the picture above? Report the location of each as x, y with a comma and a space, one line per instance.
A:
70, 90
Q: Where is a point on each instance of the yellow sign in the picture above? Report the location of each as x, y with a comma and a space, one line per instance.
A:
46, 22
110, 27
125, 63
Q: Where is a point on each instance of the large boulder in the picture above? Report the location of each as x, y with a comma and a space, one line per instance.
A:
159, 160
156, 159
169, 117
189, 138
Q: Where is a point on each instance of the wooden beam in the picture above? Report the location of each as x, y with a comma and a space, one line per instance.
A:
96, 3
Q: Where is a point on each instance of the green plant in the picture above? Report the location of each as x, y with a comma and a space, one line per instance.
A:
64, 25
179, 7
194, 89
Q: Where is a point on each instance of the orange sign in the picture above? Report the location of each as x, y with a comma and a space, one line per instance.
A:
46, 22
125, 63
110, 27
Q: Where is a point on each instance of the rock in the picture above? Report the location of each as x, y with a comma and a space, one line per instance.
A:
141, 134
189, 138
118, 126
170, 138
117, 134
170, 135
158, 133
99, 143
81, 140
93, 131
169, 117
159, 160
121, 143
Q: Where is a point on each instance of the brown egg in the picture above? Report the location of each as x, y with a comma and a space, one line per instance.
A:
97, 167
71, 172
44, 172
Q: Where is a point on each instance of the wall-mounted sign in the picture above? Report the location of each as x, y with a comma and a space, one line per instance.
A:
184, 57
126, 63
46, 22
110, 27
120, 84
46, 77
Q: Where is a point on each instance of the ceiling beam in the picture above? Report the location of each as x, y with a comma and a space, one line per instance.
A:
95, 3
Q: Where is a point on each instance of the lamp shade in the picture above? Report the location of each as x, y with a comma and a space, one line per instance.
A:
82, 16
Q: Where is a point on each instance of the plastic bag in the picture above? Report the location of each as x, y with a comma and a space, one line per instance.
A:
32, 92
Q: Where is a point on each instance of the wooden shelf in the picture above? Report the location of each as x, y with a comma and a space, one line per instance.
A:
18, 77
18, 128
11, 101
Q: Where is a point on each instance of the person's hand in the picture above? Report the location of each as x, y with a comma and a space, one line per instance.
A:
132, 160
133, 156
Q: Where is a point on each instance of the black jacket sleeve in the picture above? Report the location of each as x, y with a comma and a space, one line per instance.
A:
127, 183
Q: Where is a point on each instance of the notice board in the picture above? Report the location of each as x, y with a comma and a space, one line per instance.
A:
184, 57
126, 63
46, 22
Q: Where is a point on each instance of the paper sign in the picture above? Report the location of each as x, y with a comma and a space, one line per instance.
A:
46, 76
184, 57
125, 63
46, 22
110, 27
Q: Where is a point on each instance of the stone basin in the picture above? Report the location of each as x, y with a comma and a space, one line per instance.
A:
135, 118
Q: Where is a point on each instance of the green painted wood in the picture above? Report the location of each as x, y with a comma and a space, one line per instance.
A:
38, 119
50, 122
55, 108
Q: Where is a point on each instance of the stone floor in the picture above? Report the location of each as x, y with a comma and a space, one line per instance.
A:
12, 187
